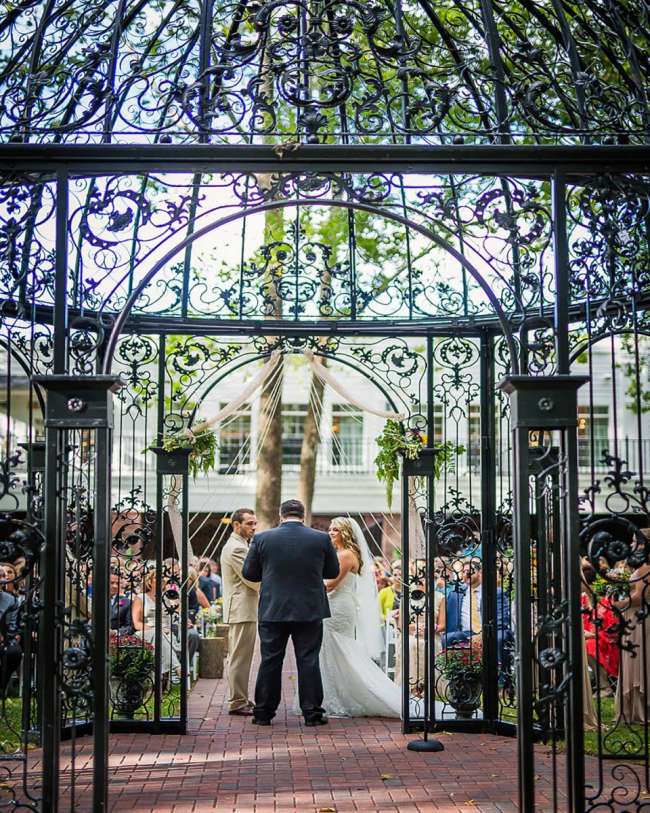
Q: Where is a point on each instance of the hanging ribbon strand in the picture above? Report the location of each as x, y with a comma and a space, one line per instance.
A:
232, 406
257, 381
326, 376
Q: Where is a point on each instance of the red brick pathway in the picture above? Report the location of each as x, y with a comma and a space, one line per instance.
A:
228, 765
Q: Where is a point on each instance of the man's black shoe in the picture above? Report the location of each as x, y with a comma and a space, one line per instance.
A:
257, 721
317, 721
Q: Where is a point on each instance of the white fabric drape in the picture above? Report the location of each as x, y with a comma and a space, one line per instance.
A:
326, 376
253, 385
175, 517
257, 381
417, 540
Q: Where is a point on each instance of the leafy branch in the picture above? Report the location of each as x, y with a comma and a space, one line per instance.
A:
395, 442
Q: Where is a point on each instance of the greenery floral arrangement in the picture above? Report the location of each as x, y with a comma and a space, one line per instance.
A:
395, 442
212, 616
203, 444
462, 661
617, 585
131, 658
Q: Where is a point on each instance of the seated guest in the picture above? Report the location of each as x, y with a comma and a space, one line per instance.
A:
120, 607
10, 648
196, 598
388, 596
206, 583
215, 575
379, 572
464, 613
144, 616
464, 605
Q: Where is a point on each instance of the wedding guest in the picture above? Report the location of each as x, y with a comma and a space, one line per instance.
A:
598, 621
440, 574
10, 648
439, 617
387, 595
9, 580
143, 615
206, 583
379, 572
240, 600
464, 605
196, 598
464, 613
171, 591
216, 577
632, 704
120, 606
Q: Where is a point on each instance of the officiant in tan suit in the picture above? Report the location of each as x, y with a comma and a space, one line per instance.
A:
240, 598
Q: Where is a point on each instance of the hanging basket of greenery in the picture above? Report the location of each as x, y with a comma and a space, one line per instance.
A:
395, 442
407, 447
194, 450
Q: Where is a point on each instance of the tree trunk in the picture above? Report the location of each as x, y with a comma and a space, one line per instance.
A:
268, 492
311, 437
268, 495
310, 443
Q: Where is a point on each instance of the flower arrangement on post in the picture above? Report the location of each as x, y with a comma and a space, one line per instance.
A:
210, 617
395, 442
202, 445
462, 668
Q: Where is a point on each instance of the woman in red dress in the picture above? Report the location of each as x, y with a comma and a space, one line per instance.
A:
599, 621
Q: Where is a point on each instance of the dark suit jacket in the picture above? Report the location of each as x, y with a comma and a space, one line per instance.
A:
121, 618
209, 587
291, 562
455, 599
8, 615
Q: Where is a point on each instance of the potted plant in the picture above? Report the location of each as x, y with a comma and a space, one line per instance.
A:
132, 664
462, 668
196, 449
408, 446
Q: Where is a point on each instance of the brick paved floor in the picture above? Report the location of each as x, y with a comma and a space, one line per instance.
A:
226, 764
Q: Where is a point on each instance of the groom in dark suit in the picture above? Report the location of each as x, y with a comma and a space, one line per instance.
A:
291, 562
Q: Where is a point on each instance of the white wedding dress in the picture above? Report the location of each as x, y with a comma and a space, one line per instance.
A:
353, 684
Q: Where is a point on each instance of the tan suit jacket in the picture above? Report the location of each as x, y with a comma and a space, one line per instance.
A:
240, 597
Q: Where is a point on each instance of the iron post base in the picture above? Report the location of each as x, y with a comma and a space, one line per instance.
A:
425, 745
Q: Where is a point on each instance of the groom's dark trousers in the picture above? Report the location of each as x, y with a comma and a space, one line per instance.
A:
291, 562
307, 638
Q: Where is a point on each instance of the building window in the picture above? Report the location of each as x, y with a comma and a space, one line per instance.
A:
596, 422
347, 436
293, 429
235, 441
438, 423
420, 409
474, 435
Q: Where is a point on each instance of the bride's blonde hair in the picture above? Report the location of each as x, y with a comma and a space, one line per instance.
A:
344, 527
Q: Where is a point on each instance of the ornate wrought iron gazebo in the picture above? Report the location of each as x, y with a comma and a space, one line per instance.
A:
450, 198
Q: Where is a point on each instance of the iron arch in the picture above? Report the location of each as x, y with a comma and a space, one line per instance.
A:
121, 320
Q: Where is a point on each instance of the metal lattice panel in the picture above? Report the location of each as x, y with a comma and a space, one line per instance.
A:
325, 71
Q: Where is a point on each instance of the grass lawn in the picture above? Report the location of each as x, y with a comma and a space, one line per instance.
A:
624, 738
11, 718
11, 725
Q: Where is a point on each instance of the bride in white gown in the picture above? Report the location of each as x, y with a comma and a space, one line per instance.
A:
353, 684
